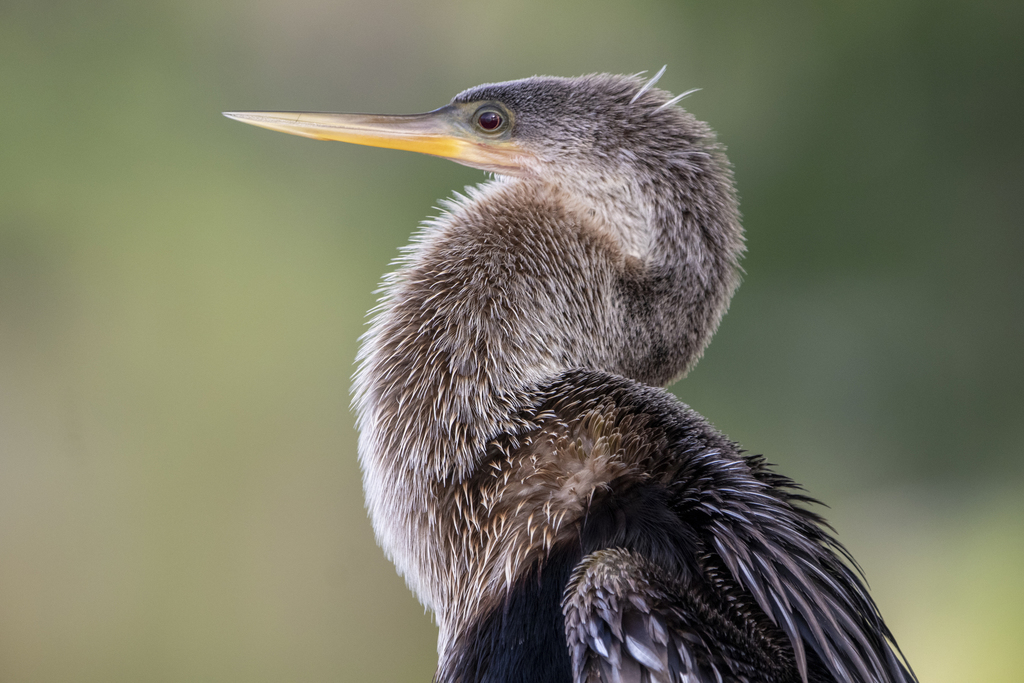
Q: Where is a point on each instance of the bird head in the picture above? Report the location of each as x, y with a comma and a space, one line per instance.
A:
541, 126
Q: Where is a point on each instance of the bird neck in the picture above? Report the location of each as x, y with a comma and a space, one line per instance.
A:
514, 286
608, 206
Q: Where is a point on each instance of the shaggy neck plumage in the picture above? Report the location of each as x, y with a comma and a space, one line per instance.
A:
509, 289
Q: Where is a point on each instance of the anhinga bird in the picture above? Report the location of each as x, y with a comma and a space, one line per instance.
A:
563, 516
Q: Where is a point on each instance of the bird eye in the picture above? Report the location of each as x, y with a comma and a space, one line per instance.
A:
489, 120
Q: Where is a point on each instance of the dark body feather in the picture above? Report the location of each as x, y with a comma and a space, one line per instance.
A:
655, 557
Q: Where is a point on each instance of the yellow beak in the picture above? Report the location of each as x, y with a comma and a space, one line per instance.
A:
441, 132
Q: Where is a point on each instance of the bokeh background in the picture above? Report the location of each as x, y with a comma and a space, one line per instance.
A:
180, 298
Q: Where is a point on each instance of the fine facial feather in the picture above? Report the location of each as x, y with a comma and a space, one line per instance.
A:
649, 84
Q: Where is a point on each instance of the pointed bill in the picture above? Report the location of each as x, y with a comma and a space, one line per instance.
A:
440, 133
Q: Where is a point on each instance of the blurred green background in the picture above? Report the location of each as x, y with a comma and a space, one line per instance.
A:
180, 298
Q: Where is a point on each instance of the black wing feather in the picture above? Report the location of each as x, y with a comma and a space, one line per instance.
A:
652, 636
786, 599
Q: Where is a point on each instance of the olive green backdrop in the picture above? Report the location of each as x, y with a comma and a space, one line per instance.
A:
180, 298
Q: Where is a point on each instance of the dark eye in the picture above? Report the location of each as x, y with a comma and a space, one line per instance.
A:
489, 120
